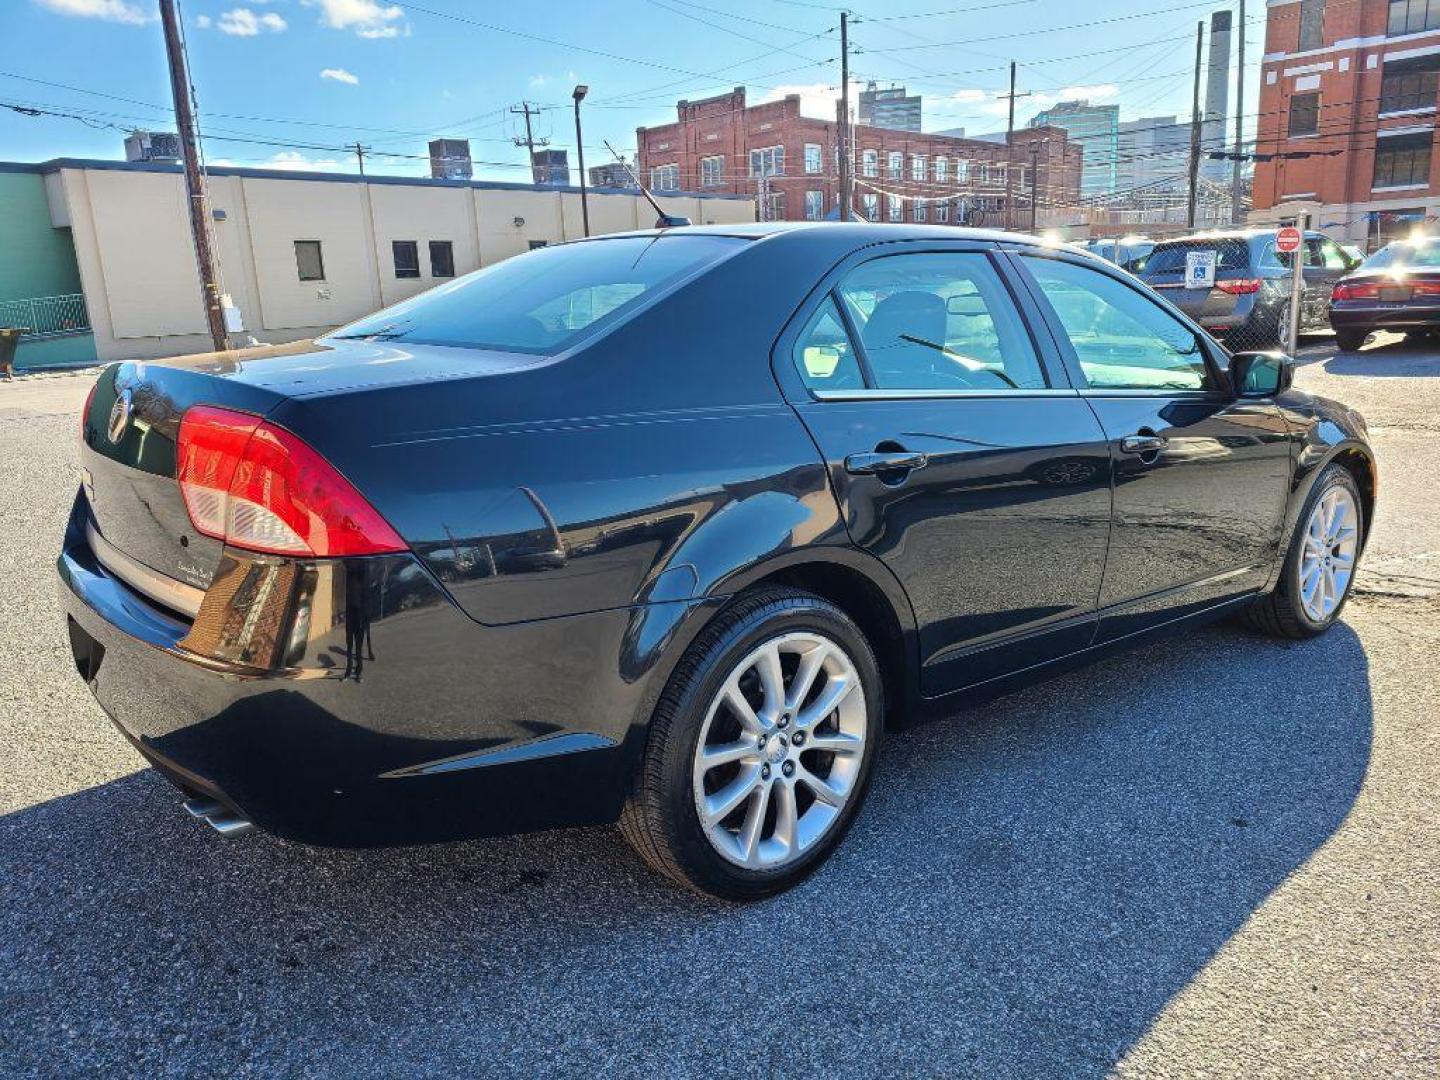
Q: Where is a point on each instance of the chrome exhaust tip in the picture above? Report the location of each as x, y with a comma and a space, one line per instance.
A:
218, 816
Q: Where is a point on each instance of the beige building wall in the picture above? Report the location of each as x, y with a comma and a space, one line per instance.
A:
137, 265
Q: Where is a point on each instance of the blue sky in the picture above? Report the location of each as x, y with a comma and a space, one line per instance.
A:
323, 73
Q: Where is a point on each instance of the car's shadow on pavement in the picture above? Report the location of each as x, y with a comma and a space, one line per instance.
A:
1029, 885
1396, 358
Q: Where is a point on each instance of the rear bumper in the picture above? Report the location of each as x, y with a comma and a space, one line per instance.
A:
388, 717
1385, 317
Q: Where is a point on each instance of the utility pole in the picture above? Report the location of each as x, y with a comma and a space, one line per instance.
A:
360, 156
1010, 151
1195, 127
1034, 181
194, 183
579, 95
529, 141
1236, 179
847, 180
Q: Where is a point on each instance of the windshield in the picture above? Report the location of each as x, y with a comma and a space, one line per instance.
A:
542, 301
1422, 254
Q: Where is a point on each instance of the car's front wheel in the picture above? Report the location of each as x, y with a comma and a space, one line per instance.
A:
760, 750
1319, 569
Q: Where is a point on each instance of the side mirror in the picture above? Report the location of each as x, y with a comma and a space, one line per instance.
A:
1261, 374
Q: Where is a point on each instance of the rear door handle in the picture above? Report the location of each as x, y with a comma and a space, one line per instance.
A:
1143, 444
882, 461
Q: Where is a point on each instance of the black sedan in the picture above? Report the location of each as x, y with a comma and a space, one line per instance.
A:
668, 528
1397, 288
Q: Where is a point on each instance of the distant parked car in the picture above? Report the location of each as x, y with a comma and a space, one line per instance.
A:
1397, 288
1125, 251
1247, 306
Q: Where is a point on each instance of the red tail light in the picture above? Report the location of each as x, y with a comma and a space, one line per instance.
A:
1240, 286
1355, 291
1426, 288
256, 486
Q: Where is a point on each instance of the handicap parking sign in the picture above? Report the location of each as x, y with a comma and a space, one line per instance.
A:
1199, 269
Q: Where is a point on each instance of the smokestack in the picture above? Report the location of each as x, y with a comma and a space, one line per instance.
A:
1217, 94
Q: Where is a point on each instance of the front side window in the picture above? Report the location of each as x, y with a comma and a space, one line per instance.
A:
665, 178
812, 158
712, 170
823, 353
309, 260
870, 163
442, 259
1122, 339
1402, 160
871, 204
1304, 114
940, 321
407, 258
814, 205
541, 302
896, 165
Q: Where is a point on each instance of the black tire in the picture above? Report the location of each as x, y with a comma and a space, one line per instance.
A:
1350, 340
1280, 613
660, 819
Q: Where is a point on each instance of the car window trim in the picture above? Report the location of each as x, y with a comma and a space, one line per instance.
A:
1052, 367
1220, 383
876, 394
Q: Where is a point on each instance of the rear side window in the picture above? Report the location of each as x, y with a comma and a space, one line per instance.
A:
941, 321
823, 353
542, 301
1170, 258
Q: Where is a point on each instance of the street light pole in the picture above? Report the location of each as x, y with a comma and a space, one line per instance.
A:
579, 96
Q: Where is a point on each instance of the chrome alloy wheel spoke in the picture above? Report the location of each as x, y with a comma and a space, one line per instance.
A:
1328, 552
780, 750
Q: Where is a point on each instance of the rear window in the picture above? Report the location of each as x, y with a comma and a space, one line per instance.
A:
542, 301
1422, 254
1170, 258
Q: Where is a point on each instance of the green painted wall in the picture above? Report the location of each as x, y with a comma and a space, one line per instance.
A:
36, 259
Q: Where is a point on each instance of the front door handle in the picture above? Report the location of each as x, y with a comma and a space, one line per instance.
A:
885, 461
1143, 444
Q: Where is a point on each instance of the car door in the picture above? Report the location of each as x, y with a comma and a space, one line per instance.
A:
959, 456
1201, 477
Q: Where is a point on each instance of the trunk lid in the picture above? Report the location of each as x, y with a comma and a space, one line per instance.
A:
128, 461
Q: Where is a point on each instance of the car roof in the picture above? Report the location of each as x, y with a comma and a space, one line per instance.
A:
861, 232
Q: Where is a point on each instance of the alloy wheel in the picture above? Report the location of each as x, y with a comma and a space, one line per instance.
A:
1327, 557
780, 751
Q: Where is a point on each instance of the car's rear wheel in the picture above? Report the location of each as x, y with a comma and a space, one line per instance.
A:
1320, 566
760, 750
1350, 340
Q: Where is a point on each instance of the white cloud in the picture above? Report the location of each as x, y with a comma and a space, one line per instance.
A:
1092, 93
121, 11
537, 81
340, 75
294, 161
367, 18
204, 22
242, 22
817, 100
970, 96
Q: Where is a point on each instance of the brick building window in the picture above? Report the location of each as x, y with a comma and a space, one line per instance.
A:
1312, 24
1402, 160
920, 213
962, 171
870, 202
1304, 114
917, 167
895, 209
814, 205
942, 214
768, 161
896, 165
870, 163
1402, 90
1412, 16
712, 170
774, 208
665, 178
812, 158
942, 169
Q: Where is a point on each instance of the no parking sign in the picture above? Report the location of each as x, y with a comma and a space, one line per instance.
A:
1199, 269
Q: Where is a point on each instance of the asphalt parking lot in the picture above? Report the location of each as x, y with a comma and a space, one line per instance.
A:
1216, 856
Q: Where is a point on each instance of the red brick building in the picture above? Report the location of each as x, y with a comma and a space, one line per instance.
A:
1352, 84
791, 163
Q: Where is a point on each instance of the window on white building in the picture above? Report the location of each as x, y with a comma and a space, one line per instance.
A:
665, 178
812, 158
814, 205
